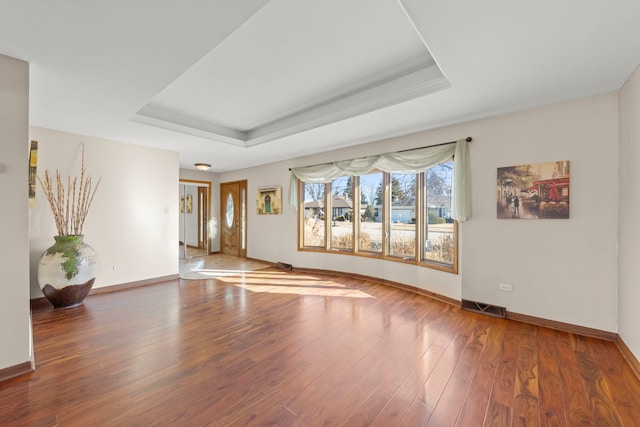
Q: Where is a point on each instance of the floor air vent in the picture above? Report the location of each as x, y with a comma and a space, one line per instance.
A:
488, 309
284, 266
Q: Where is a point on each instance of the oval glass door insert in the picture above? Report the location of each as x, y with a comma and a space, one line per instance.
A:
229, 215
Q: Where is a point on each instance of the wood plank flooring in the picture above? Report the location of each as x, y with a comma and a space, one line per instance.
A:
272, 347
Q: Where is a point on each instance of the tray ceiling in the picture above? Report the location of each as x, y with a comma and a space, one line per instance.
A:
243, 83
297, 65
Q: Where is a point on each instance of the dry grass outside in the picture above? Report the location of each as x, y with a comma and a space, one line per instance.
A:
313, 233
443, 250
366, 244
403, 247
440, 250
342, 241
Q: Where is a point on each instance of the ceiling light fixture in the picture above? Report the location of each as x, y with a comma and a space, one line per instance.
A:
202, 166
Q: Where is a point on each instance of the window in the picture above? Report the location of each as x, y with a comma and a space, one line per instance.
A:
313, 229
439, 228
402, 217
342, 205
393, 216
370, 224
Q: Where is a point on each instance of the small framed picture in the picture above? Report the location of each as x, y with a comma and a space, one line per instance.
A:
189, 203
269, 201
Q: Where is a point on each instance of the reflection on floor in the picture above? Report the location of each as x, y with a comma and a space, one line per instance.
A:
217, 265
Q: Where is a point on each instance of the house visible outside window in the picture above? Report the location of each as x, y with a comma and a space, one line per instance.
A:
393, 216
342, 205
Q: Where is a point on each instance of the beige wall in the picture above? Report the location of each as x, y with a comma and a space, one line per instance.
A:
629, 213
563, 270
133, 222
15, 323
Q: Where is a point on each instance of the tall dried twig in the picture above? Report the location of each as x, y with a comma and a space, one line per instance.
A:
70, 206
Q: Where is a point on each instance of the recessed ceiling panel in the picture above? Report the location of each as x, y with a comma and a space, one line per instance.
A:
292, 62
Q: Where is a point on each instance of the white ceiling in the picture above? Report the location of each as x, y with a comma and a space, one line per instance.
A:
238, 84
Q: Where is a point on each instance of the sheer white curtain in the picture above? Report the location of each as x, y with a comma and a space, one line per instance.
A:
410, 161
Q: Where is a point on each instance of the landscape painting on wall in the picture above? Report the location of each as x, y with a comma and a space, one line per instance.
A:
535, 191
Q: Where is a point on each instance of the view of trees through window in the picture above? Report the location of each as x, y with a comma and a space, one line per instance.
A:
314, 230
342, 213
402, 236
392, 215
439, 228
370, 225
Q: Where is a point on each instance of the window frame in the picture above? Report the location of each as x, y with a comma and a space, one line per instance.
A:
384, 254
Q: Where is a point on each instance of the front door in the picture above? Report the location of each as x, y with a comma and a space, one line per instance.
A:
233, 214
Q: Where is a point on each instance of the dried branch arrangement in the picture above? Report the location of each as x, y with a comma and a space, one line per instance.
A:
70, 206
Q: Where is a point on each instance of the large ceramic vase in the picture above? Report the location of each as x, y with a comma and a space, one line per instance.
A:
67, 270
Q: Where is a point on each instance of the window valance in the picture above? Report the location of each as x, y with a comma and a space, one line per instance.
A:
410, 161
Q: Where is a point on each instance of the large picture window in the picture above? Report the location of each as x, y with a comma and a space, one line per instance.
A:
402, 206
401, 217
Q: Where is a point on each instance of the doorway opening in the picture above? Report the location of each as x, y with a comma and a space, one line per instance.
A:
194, 218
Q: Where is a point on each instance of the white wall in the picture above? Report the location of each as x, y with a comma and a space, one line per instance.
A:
15, 322
629, 212
133, 222
214, 207
563, 270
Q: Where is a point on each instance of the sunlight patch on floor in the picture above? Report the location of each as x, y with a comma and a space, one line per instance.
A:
306, 290
218, 273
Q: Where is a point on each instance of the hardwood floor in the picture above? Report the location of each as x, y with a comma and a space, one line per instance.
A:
272, 347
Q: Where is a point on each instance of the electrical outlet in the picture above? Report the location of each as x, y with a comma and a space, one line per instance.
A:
505, 287
118, 267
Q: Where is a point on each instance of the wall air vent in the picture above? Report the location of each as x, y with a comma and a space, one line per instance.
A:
482, 308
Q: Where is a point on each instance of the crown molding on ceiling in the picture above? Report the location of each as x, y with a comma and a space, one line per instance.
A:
382, 94
164, 118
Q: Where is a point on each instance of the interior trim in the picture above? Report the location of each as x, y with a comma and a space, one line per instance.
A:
537, 321
38, 302
209, 186
631, 359
16, 370
564, 327
136, 284
410, 84
410, 288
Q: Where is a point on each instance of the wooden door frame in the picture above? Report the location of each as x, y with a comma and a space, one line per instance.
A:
207, 184
242, 184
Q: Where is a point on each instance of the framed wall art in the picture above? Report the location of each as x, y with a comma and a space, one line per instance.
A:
189, 203
534, 191
269, 201
33, 166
